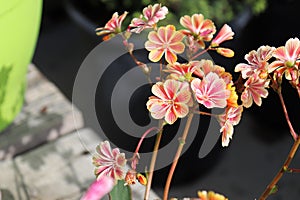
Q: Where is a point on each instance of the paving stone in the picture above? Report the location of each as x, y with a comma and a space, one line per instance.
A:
47, 172
51, 154
11, 184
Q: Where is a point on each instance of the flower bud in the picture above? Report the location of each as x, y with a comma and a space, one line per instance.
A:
225, 52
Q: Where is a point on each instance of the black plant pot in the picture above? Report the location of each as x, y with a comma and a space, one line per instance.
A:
190, 166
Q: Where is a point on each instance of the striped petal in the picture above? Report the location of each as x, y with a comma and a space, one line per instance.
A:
155, 55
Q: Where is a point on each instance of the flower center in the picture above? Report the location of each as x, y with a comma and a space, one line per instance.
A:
289, 63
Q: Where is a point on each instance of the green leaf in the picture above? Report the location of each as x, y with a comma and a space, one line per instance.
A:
274, 190
120, 192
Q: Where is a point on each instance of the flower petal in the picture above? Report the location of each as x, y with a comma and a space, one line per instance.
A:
170, 56
155, 55
170, 116
99, 189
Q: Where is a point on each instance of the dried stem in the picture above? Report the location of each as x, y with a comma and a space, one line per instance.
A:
177, 156
153, 160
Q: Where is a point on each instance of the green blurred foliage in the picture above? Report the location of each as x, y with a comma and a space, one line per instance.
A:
220, 11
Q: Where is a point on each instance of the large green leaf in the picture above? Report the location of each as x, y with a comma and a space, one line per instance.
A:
120, 192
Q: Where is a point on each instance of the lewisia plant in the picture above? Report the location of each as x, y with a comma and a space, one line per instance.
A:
184, 87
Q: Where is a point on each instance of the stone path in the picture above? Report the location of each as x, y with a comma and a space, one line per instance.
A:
41, 153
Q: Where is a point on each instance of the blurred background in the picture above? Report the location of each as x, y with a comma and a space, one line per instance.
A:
261, 141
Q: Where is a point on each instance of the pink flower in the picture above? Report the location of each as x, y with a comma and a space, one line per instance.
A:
99, 188
171, 100
183, 71
109, 162
257, 62
287, 59
198, 27
230, 118
152, 15
211, 91
165, 41
224, 34
113, 26
254, 91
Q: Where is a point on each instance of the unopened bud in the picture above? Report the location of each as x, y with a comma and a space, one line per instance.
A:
225, 52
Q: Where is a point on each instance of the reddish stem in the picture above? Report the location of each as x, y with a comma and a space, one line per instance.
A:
200, 53
177, 156
292, 131
143, 137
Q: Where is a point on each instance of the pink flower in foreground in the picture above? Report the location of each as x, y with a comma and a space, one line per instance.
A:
113, 26
255, 89
99, 188
287, 59
109, 162
211, 91
166, 41
230, 118
257, 62
198, 27
204, 195
152, 15
224, 34
171, 100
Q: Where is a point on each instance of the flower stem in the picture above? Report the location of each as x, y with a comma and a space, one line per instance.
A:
290, 156
153, 160
298, 90
293, 133
177, 156
206, 113
143, 137
200, 53
279, 174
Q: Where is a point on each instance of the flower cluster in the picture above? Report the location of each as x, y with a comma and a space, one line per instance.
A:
185, 87
266, 67
182, 87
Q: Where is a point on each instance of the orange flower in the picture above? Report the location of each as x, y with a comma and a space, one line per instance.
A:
171, 100
204, 195
166, 40
112, 27
287, 60
232, 100
198, 27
